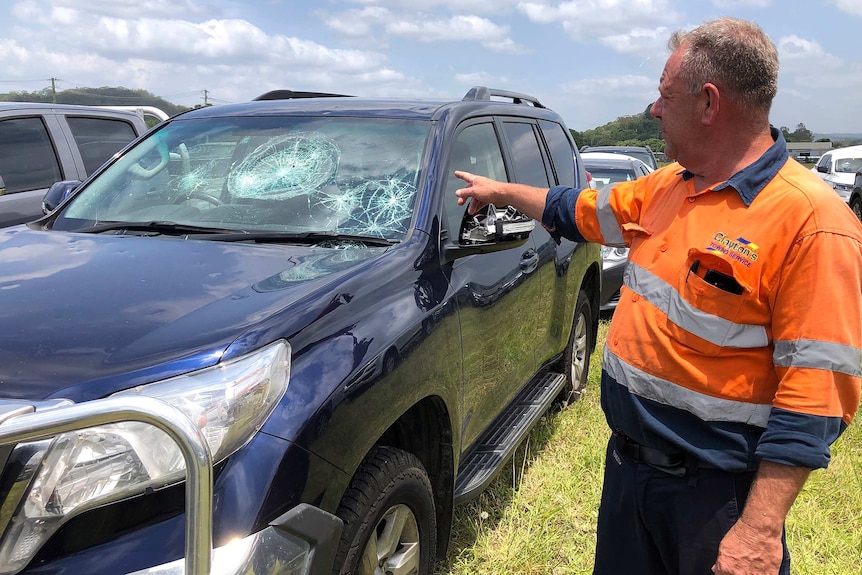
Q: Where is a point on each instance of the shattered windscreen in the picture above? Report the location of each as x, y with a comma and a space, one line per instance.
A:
282, 174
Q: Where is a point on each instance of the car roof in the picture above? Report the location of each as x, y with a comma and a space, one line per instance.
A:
43, 106
619, 162
593, 158
477, 99
849, 151
622, 148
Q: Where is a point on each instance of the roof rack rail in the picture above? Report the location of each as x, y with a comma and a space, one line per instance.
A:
290, 95
483, 94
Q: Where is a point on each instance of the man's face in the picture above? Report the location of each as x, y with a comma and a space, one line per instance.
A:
676, 109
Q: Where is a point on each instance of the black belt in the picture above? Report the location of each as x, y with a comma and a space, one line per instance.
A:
679, 464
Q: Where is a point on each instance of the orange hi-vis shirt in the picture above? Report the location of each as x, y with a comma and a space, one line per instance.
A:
738, 333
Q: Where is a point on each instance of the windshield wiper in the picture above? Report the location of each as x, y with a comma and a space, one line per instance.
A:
299, 237
157, 227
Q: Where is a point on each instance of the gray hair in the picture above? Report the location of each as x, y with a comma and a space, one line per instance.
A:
735, 55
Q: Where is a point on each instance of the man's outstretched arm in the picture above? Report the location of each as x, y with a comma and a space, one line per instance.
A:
482, 191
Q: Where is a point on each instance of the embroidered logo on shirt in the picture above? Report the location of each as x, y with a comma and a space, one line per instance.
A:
740, 249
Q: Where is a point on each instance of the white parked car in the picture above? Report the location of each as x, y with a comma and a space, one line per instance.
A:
838, 168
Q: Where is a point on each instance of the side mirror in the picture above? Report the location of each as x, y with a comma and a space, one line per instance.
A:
58, 192
823, 169
495, 225
491, 230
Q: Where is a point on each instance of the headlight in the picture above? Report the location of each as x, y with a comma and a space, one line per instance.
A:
614, 255
81, 469
262, 553
844, 190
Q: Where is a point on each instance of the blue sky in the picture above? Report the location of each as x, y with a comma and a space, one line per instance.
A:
591, 60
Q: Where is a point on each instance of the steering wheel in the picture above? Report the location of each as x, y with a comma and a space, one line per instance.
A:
147, 173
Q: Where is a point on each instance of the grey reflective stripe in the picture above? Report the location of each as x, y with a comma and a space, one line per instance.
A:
714, 329
607, 220
705, 407
819, 355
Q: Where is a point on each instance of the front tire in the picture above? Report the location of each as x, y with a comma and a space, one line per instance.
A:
856, 206
390, 525
576, 359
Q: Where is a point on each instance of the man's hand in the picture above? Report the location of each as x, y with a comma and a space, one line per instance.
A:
748, 551
753, 545
480, 191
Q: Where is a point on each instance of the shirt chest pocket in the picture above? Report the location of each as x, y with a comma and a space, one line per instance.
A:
702, 311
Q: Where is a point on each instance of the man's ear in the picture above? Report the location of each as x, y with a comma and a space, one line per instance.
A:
711, 100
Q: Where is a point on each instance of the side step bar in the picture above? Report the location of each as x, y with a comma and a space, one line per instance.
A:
480, 465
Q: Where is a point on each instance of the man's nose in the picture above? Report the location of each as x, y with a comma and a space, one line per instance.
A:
655, 109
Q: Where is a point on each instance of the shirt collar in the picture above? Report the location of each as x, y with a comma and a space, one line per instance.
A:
750, 180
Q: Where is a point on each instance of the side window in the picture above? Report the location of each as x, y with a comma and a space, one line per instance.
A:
529, 165
99, 138
475, 150
27, 157
562, 154
825, 161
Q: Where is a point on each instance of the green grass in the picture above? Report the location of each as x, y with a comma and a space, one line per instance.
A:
539, 515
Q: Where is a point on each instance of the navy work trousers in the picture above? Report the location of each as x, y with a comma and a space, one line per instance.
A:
652, 522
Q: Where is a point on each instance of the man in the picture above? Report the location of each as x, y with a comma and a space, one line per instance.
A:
733, 358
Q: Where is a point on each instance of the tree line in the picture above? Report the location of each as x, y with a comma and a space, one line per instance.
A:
95, 97
643, 130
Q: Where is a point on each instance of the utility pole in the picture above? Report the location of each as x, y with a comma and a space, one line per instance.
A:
206, 96
53, 91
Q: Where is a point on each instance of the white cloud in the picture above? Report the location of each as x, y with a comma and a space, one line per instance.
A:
852, 7
127, 9
455, 6
587, 19
736, 4
627, 87
424, 27
357, 22
228, 56
480, 79
799, 55
639, 41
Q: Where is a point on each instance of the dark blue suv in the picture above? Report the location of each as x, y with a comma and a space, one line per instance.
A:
296, 277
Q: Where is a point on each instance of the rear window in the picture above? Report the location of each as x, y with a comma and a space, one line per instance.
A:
562, 153
526, 154
99, 138
848, 165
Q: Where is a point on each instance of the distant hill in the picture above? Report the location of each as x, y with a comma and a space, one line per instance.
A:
637, 130
96, 97
841, 139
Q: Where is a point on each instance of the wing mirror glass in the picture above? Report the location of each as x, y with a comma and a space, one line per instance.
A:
58, 192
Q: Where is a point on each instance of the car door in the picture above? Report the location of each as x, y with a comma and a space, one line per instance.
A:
30, 161
496, 293
824, 166
40, 148
530, 165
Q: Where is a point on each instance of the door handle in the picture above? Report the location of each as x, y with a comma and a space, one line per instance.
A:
529, 261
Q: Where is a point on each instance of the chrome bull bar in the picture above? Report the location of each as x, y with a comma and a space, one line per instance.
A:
23, 424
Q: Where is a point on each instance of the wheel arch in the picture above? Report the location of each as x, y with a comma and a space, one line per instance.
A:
425, 430
592, 286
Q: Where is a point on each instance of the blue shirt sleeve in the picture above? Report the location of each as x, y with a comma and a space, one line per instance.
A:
799, 439
558, 216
